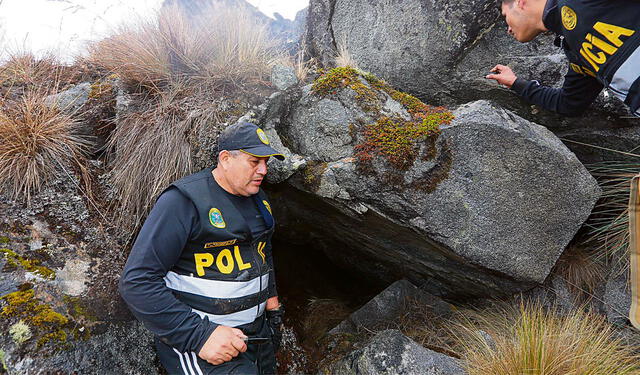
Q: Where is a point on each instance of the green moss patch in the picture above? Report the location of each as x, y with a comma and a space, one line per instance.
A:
396, 139
32, 265
331, 82
312, 174
49, 324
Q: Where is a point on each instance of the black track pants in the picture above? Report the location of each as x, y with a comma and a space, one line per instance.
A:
259, 359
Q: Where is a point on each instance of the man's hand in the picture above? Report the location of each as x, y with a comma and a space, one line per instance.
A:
275, 311
224, 344
503, 74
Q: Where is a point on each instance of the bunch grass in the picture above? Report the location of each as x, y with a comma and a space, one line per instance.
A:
35, 139
151, 148
181, 67
609, 223
23, 68
220, 47
531, 340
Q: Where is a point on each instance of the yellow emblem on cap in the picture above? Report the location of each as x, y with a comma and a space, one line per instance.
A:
268, 206
569, 18
215, 218
262, 136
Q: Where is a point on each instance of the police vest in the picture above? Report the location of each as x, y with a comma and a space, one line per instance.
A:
222, 273
601, 40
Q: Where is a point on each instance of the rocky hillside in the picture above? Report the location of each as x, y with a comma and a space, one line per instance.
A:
409, 172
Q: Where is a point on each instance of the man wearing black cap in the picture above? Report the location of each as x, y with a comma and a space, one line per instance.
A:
200, 274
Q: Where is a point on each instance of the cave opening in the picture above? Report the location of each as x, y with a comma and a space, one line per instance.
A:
317, 293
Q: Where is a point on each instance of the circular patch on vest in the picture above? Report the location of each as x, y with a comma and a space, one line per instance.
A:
215, 218
262, 136
569, 18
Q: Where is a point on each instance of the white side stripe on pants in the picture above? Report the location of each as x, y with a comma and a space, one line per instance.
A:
195, 363
184, 369
188, 369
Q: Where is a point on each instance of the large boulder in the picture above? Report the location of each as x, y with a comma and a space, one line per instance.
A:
408, 43
441, 52
389, 305
487, 209
391, 352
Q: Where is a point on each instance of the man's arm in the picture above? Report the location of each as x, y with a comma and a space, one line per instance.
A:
572, 99
156, 250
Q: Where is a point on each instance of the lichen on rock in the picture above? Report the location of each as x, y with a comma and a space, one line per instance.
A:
24, 306
20, 332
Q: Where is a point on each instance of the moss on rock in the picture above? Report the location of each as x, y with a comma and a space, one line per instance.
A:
396, 139
32, 265
49, 324
336, 79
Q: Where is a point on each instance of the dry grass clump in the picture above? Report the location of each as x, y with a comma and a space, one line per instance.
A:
35, 139
580, 269
609, 222
322, 315
222, 46
27, 69
182, 67
152, 148
530, 340
343, 56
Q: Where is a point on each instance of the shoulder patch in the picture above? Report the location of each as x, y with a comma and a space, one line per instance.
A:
569, 18
215, 218
268, 206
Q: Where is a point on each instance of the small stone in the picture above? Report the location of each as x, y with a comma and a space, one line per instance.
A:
283, 77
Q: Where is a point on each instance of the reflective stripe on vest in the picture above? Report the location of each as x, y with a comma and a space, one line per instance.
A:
215, 288
234, 319
626, 75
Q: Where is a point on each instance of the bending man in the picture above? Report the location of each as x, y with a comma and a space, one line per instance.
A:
600, 39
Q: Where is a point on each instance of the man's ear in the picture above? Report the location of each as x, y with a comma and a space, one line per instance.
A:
521, 4
223, 158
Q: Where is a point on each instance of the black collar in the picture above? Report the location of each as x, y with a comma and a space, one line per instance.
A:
551, 17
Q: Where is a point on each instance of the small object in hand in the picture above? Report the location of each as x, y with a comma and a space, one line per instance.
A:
496, 72
256, 340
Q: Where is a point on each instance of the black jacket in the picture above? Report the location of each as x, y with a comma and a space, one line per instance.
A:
600, 39
202, 258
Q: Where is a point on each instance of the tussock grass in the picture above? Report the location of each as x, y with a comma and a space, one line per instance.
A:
35, 139
220, 47
609, 222
26, 69
322, 315
151, 148
300, 63
579, 267
343, 56
530, 340
181, 67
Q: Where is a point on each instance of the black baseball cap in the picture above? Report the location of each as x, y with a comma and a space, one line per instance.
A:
248, 138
